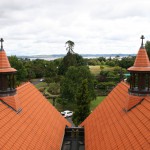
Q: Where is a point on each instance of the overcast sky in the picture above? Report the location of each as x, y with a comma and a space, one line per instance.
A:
31, 27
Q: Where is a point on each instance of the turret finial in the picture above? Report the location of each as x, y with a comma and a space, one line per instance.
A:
142, 37
1, 40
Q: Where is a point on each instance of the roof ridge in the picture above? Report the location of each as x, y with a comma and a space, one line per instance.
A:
125, 84
23, 84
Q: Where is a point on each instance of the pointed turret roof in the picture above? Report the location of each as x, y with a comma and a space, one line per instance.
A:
142, 62
4, 63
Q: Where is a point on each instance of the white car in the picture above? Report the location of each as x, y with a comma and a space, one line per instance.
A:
41, 80
67, 113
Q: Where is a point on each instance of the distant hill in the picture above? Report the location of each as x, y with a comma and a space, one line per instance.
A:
55, 56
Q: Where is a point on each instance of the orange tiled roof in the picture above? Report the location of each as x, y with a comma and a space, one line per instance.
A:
141, 62
38, 126
109, 127
4, 63
12, 101
132, 101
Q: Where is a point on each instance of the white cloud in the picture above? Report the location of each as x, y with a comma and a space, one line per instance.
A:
96, 26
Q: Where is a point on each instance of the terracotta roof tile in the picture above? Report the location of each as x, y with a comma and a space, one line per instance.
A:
38, 126
110, 127
132, 101
4, 63
12, 101
141, 62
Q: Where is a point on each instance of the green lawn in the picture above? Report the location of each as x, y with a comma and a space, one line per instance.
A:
41, 84
34, 80
96, 102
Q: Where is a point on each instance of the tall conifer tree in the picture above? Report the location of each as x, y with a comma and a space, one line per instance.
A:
83, 104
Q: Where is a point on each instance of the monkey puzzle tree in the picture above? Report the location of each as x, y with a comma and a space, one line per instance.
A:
70, 46
71, 59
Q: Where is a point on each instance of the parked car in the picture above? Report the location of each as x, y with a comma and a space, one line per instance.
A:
41, 80
67, 113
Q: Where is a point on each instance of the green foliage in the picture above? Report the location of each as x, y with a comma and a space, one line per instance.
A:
102, 63
54, 88
102, 59
105, 85
83, 104
107, 79
21, 70
111, 63
124, 62
127, 62
62, 102
147, 46
114, 75
51, 69
27, 69
70, 60
103, 76
41, 89
39, 67
96, 102
72, 81
93, 61
49, 80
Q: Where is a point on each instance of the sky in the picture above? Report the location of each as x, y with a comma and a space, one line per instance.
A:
42, 27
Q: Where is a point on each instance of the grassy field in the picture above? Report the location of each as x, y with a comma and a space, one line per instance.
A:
96, 102
95, 70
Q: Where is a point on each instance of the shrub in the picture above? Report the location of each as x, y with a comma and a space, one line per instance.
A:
41, 89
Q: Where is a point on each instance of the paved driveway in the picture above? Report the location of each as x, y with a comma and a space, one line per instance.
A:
36, 81
70, 120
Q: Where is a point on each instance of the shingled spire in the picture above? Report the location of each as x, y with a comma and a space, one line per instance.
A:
140, 73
